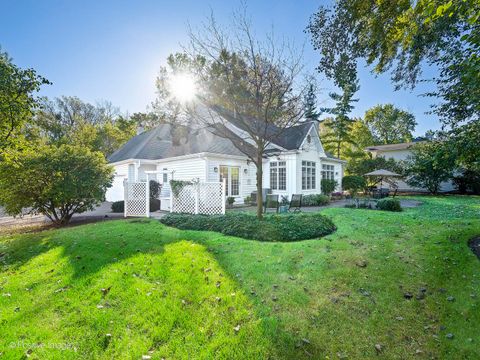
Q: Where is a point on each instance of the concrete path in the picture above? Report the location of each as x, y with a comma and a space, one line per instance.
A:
405, 203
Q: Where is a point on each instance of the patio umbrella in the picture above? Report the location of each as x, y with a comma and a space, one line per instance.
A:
382, 174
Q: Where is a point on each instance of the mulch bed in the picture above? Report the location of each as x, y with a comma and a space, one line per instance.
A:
474, 245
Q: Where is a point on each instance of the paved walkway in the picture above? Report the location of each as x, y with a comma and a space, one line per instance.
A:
334, 204
102, 212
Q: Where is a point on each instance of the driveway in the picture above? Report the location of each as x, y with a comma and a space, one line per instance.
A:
102, 212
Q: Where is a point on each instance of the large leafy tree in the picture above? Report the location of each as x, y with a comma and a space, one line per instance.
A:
390, 125
402, 36
256, 82
17, 101
55, 181
69, 120
430, 164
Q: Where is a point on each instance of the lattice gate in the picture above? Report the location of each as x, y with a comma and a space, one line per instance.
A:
199, 198
136, 195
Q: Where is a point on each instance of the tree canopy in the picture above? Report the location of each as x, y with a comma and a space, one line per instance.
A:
390, 125
17, 101
402, 37
69, 120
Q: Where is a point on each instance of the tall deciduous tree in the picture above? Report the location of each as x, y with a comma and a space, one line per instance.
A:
69, 120
390, 125
402, 36
430, 164
17, 101
254, 81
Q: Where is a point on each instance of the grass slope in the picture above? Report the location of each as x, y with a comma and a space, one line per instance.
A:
191, 294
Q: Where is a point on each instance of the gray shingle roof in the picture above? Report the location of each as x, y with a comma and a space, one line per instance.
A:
159, 143
290, 138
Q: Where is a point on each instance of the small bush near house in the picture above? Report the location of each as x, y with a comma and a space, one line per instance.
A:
118, 206
230, 200
328, 186
353, 184
291, 227
315, 200
389, 204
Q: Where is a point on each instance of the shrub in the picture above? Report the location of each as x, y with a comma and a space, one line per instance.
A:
328, 186
290, 227
230, 200
155, 188
315, 200
56, 181
389, 204
353, 184
247, 200
118, 206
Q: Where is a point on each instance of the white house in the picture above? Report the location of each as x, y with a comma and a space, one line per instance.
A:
401, 152
295, 164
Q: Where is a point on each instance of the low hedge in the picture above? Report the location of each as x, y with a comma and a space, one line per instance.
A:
389, 204
118, 206
315, 200
289, 227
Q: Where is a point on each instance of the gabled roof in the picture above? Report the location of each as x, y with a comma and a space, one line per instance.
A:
290, 138
159, 143
165, 140
391, 147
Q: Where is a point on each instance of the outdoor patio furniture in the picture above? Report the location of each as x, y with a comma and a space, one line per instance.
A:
253, 196
380, 193
295, 203
271, 202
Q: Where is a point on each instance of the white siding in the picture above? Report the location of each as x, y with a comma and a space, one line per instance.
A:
248, 182
337, 173
115, 192
404, 154
185, 169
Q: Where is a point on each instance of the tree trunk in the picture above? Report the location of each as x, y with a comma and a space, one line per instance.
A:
259, 186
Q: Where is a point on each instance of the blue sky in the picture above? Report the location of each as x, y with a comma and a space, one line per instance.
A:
111, 50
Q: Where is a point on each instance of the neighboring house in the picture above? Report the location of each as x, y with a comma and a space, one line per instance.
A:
295, 164
401, 152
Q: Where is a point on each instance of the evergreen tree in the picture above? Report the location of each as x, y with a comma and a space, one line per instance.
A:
310, 104
337, 129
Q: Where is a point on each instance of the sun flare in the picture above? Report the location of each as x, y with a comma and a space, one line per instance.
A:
182, 87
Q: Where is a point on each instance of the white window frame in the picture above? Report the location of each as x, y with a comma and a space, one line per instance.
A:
309, 175
278, 175
328, 171
228, 190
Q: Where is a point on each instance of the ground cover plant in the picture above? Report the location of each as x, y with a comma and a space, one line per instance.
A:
291, 227
388, 285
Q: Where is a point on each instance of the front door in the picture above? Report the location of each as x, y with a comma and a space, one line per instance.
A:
232, 176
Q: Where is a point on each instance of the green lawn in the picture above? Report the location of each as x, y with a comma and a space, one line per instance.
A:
186, 294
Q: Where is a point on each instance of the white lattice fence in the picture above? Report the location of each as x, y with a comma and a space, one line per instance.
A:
200, 198
136, 198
